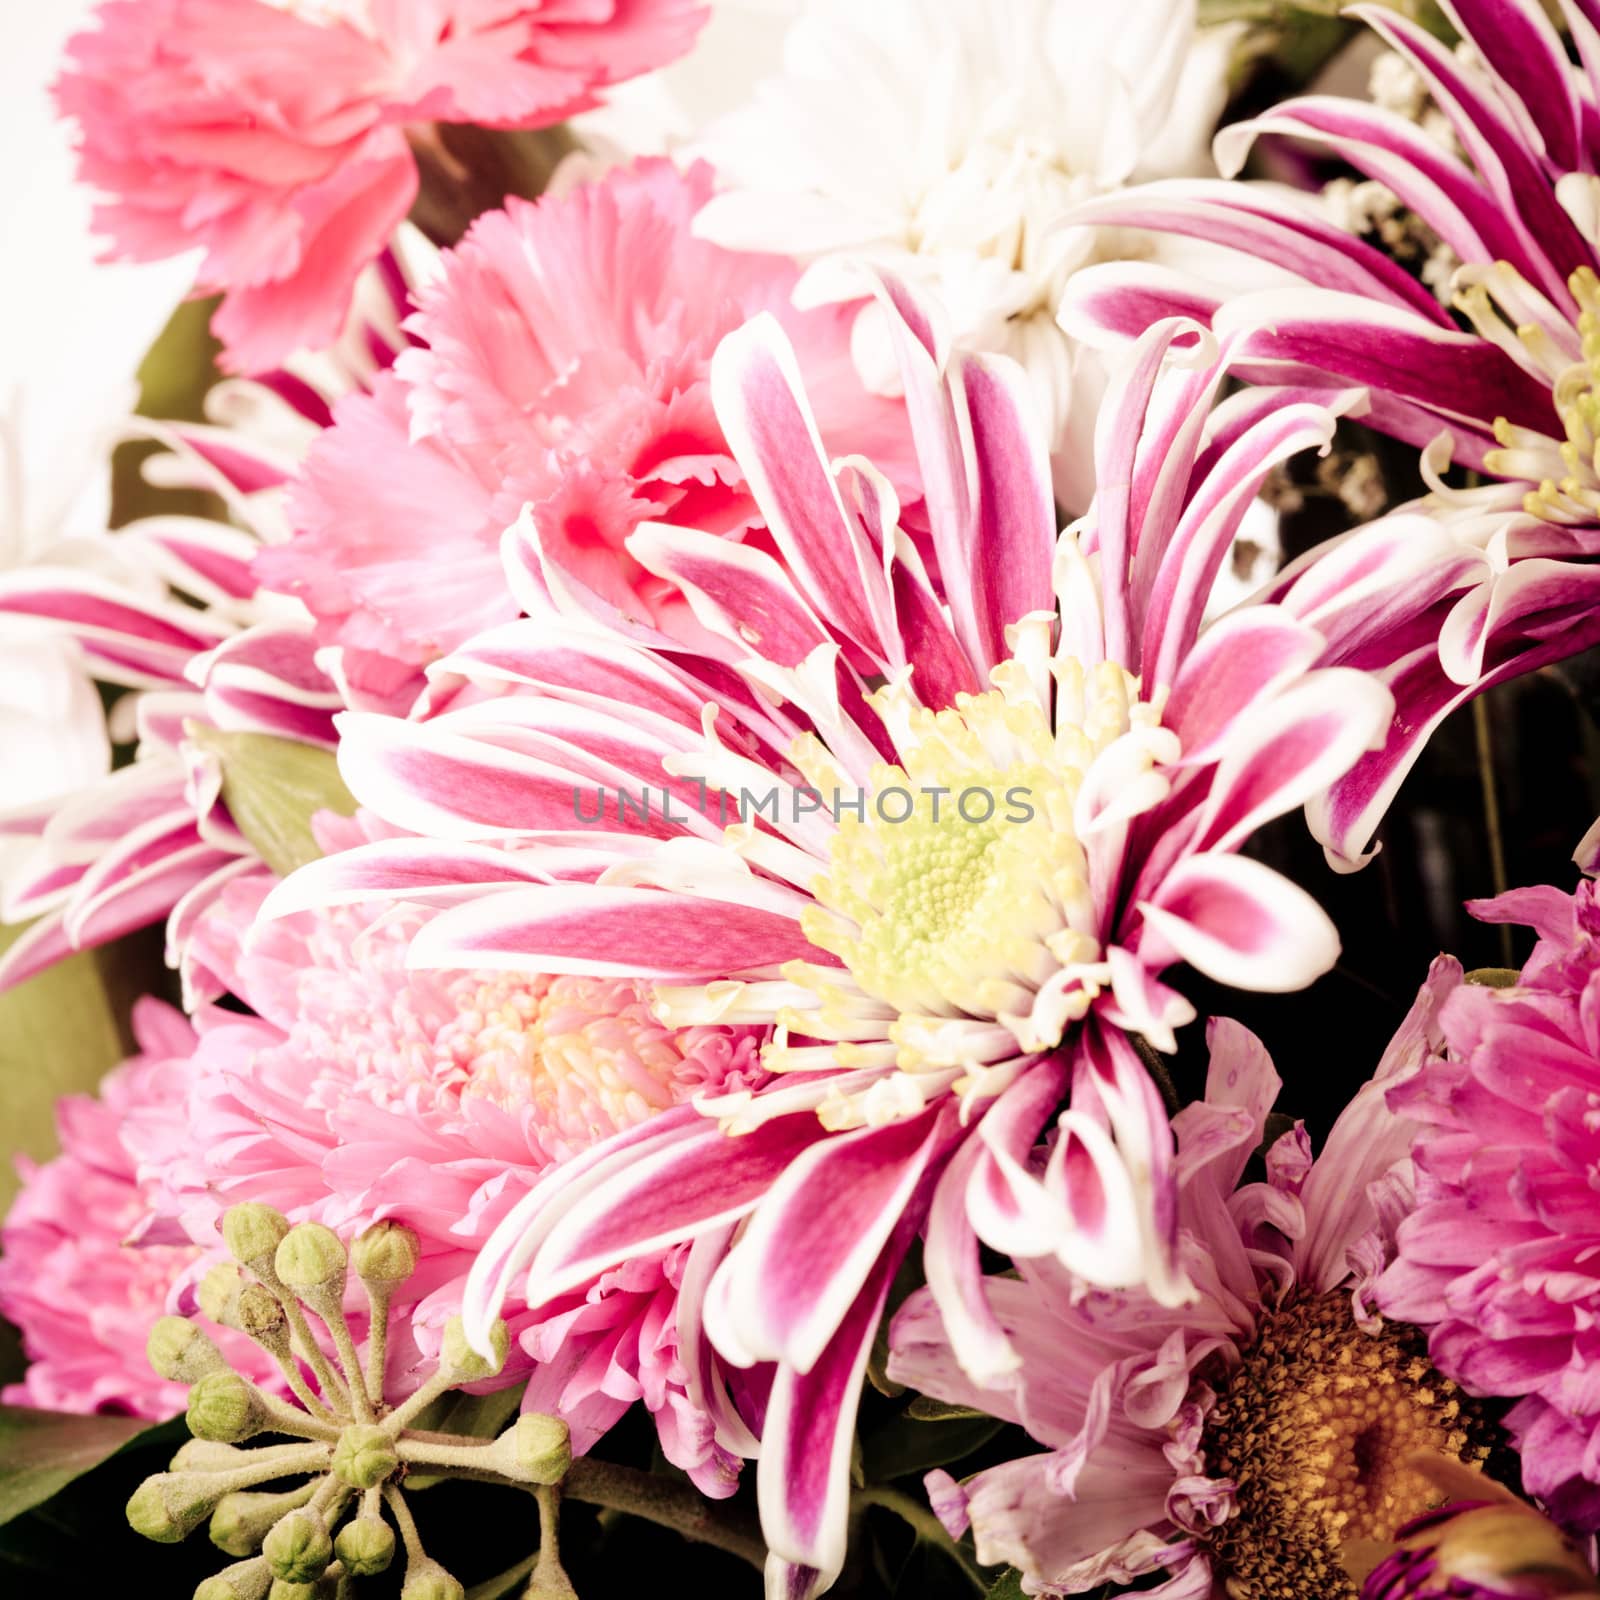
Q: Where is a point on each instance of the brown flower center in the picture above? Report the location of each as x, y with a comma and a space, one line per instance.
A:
1314, 1428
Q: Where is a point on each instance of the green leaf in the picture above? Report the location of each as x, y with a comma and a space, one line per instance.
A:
41, 1452
904, 1446
926, 1409
59, 1034
908, 1278
502, 1583
272, 788
1008, 1586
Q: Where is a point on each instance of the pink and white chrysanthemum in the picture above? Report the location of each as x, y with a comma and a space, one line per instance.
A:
271, 133
360, 1090
83, 1298
198, 643
1235, 1442
945, 852
563, 367
1511, 395
1497, 1260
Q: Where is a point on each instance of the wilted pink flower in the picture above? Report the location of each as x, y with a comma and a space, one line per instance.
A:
273, 137
1236, 1441
1498, 1259
361, 1091
565, 367
84, 1295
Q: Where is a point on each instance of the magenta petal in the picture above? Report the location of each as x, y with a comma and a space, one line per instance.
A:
1014, 539
1235, 663
650, 1198
1243, 924
814, 1240
615, 932
803, 1480
760, 402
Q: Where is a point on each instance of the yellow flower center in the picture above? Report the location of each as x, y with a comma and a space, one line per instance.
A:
1567, 471
1315, 1427
957, 886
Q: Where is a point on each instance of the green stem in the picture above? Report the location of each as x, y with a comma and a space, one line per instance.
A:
300, 1333
1157, 1068
332, 1315
926, 1525
502, 1583
406, 1523
416, 1402
286, 1419
669, 1504
1484, 739
477, 1456
295, 1460
378, 1297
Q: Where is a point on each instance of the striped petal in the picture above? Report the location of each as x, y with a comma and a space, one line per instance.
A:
811, 1246
1243, 924
581, 928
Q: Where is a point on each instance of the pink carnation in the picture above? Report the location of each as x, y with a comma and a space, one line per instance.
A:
362, 1090
1498, 1259
565, 367
273, 137
84, 1296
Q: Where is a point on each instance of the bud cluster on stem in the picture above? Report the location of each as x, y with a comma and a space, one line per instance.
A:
356, 1447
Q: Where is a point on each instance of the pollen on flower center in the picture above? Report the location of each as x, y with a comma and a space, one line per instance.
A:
1314, 1428
957, 886
585, 1055
1568, 474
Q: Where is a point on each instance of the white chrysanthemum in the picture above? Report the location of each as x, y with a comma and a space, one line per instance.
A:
52, 722
945, 138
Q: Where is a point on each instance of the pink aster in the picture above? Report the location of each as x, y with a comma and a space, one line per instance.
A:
273, 136
1232, 1444
360, 1091
938, 980
564, 368
1498, 1257
82, 1293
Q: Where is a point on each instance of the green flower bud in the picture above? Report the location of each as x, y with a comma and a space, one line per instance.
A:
364, 1456
534, 1449
462, 1362
282, 1589
243, 1519
310, 1257
252, 1231
365, 1546
245, 1580
170, 1506
427, 1580
224, 1408
299, 1549
182, 1353
259, 1313
385, 1254
218, 1294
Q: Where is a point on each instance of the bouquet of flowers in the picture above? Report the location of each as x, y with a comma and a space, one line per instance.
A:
736, 844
